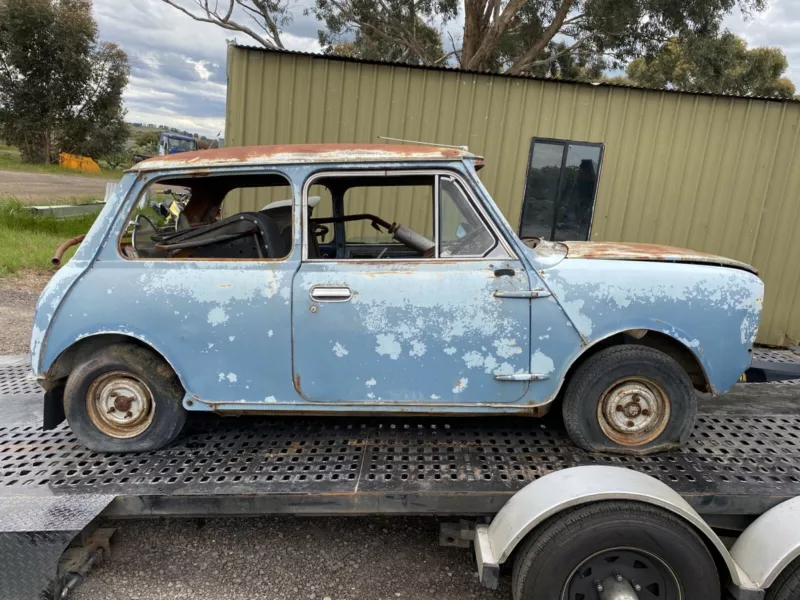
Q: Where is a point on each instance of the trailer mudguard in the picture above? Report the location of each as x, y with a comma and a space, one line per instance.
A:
770, 544
575, 486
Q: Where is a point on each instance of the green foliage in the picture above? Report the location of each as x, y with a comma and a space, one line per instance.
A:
60, 89
518, 36
28, 242
720, 64
147, 141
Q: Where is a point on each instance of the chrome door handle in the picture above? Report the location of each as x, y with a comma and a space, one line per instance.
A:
331, 293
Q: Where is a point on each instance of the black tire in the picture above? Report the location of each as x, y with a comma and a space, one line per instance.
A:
609, 379
575, 548
127, 367
787, 585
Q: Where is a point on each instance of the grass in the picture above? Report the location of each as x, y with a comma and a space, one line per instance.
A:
10, 160
28, 242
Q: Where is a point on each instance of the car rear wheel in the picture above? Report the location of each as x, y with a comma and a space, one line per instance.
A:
615, 551
124, 398
630, 399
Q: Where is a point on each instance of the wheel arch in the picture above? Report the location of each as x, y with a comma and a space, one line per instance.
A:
547, 497
88, 344
652, 338
770, 544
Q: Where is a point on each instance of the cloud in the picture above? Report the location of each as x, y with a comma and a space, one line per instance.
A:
178, 65
778, 26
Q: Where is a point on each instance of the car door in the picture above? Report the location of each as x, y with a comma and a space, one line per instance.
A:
447, 329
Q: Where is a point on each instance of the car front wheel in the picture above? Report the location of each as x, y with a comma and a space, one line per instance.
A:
124, 398
630, 399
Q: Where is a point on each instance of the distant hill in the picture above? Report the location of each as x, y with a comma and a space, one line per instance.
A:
137, 128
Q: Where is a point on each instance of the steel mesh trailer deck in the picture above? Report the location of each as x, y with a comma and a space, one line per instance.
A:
742, 458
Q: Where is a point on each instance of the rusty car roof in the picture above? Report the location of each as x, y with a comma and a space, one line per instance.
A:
302, 153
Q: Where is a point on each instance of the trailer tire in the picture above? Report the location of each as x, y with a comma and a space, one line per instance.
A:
124, 398
648, 546
787, 585
629, 399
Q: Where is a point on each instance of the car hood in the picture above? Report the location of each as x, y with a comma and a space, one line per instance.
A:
648, 252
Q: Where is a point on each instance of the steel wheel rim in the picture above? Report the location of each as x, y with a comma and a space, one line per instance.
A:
633, 411
120, 404
652, 577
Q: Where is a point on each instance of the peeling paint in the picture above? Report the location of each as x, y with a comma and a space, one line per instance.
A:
541, 364
217, 316
450, 350
417, 348
232, 377
370, 382
506, 348
340, 350
387, 345
461, 385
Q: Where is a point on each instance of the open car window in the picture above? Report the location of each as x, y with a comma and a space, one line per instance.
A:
395, 217
222, 217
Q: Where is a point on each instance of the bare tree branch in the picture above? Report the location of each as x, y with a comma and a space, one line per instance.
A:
568, 50
522, 62
491, 38
224, 21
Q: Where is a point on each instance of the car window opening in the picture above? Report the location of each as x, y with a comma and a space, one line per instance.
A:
394, 217
182, 218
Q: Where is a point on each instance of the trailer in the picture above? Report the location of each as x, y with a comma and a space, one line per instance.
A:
518, 488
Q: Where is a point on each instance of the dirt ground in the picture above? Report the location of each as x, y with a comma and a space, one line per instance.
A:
32, 186
18, 295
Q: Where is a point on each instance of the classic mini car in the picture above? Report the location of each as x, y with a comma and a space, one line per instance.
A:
373, 279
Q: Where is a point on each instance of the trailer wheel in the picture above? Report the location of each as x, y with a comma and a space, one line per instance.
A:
124, 398
787, 585
630, 399
615, 550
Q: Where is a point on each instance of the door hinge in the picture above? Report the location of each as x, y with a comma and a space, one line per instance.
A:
522, 377
528, 294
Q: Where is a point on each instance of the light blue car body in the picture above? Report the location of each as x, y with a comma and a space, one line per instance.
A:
424, 336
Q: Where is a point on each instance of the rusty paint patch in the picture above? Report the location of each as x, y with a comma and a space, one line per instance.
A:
648, 252
301, 153
296, 382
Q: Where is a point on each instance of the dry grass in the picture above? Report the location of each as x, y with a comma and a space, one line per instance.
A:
10, 160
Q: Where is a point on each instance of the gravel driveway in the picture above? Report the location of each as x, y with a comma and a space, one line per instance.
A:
285, 558
18, 297
23, 185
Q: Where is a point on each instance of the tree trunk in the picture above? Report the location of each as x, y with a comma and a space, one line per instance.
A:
472, 30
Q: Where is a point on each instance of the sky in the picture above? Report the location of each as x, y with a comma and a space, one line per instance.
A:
178, 65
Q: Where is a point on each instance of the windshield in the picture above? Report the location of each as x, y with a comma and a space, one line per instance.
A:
181, 145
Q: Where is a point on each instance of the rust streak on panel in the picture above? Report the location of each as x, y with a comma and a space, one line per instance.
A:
302, 153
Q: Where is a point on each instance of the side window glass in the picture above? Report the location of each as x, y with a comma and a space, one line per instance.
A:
461, 230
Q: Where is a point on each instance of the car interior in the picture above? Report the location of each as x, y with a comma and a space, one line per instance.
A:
348, 217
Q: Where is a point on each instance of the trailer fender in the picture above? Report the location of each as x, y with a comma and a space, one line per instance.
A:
558, 491
770, 544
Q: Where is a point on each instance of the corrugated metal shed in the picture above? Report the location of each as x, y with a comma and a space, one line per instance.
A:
716, 174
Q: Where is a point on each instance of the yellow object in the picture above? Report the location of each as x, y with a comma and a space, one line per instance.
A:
78, 163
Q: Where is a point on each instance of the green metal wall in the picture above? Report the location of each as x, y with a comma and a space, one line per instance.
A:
715, 174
